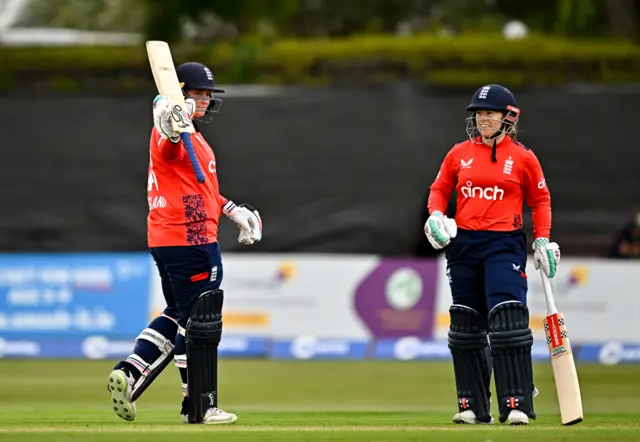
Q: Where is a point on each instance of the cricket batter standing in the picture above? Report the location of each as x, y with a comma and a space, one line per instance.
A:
486, 257
182, 237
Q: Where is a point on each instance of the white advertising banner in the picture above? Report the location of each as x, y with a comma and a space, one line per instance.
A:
328, 296
598, 297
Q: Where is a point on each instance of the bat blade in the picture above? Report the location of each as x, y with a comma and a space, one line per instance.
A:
564, 370
167, 83
562, 361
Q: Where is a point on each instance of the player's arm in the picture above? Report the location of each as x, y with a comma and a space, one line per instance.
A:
442, 187
538, 197
439, 229
169, 150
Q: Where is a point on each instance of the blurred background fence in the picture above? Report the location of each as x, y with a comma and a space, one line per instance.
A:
335, 121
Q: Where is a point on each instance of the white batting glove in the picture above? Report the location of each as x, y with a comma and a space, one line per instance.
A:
439, 230
162, 108
248, 220
255, 221
546, 255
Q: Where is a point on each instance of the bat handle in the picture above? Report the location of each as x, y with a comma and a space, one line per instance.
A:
186, 140
548, 293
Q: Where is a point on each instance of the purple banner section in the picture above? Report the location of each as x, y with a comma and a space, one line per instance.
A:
398, 298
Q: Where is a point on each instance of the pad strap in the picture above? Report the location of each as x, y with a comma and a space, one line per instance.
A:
151, 371
155, 337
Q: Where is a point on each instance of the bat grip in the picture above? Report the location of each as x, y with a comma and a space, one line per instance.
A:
186, 140
548, 293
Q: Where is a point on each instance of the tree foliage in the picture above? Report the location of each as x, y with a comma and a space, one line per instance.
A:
95, 15
213, 19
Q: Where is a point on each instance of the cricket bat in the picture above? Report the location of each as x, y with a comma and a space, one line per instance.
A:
562, 362
166, 78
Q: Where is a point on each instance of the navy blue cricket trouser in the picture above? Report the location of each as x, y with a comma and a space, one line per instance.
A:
487, 268
186, 272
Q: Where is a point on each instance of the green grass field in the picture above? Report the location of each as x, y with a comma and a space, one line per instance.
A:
46, 401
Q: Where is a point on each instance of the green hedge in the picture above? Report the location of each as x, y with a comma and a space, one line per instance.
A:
463, 60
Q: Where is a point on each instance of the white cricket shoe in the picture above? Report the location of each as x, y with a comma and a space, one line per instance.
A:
468, 417
517, 417
121, 385
214, 416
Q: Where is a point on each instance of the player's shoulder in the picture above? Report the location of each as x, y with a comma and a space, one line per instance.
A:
197, 138
522, 150
461, 147
519, 145
464, 144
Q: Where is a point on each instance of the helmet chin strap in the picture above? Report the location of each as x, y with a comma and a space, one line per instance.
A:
495, 137
494, 158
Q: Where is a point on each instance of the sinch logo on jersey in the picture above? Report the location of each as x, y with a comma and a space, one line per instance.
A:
488, 193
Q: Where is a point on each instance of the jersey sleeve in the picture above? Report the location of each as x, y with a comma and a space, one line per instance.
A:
537, 196
442, 187
169, 151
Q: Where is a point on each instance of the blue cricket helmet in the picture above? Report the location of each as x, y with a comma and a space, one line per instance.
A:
494, 97
196, 76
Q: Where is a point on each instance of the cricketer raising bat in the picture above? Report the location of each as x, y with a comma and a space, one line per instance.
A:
562, 363
164, 74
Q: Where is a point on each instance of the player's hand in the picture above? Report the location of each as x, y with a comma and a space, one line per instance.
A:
440, 229
162, 109
248, 220
255, 222
546, 255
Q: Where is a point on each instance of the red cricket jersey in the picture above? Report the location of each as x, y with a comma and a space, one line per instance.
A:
182, 212
490, 195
